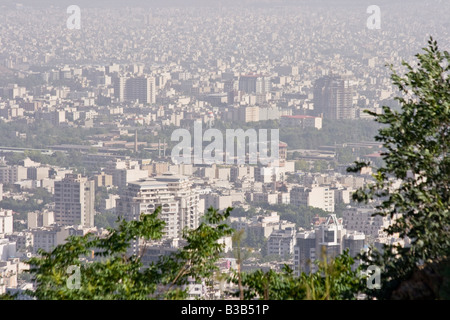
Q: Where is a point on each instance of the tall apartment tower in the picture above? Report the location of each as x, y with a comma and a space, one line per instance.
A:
142, 89
333, 97
329, 237
119, 88
254, 84
329, 240
179, 202
74, 201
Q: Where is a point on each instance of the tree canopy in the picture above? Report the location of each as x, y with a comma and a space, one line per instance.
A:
416, 154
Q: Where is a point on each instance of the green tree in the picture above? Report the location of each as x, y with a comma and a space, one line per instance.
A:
105, 220
302, 165
108, 272
320, 166
334, 280
37, 201
416, 152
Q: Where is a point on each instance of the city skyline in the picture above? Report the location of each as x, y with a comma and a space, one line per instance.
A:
109, 110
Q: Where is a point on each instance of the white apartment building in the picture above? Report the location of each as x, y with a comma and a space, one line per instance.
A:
125, 171
7, 249
40, 219
281, 242
315, 196
361, 219
12, 174
261, 225
179, 202
217, 201
6, 222
241, 172
47, 238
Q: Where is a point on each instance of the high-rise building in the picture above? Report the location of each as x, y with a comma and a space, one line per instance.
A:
119, 88
247, 114
305, 252
354, 241
281, 242
333, 97
263, 85
327, 240
254, 84
74, 201
173, 193
329, 237
141, 89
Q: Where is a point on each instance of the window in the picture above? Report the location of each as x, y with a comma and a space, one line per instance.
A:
329, 236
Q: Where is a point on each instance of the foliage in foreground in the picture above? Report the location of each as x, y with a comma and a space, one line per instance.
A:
416, 142
113, 274
333, 280
107, 272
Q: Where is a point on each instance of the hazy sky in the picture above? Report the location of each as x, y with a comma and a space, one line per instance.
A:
164, 3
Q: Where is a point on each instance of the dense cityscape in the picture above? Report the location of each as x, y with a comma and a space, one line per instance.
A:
109, 112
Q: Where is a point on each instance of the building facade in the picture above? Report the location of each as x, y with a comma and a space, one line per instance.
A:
179, 202
328, 240
74, 201
333, 98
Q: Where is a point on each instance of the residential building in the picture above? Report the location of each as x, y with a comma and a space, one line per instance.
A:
363, 220
38, 219
328, 240
7, 249
281, 242
141, 89
316, 196
38, 173
254, 84
333, 98
217, 201
119, 88
12, 174
103, 180
74, 201
125, 171
173, 193
6, 222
